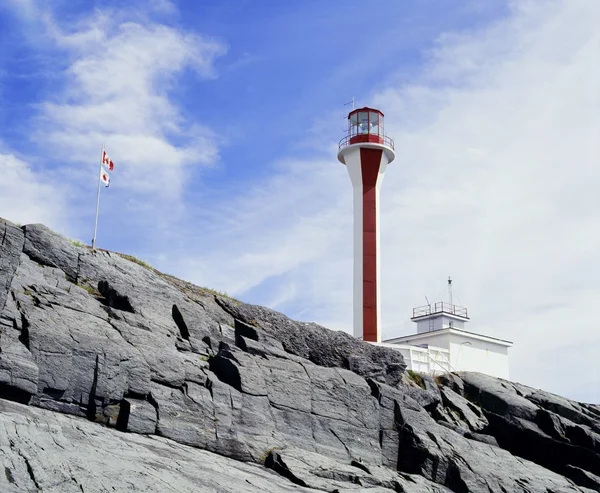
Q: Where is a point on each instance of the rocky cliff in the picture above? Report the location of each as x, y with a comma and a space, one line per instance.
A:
114, 377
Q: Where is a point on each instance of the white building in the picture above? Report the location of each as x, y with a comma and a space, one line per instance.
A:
441, 344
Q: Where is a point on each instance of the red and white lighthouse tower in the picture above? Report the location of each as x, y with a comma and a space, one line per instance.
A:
366, 151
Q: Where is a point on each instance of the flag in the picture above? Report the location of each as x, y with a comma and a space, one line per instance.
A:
104, 177
106, 161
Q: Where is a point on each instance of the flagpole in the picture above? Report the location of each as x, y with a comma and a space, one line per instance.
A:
98, 200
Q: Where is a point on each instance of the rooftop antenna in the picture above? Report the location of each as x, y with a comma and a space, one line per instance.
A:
345, 129
450, 289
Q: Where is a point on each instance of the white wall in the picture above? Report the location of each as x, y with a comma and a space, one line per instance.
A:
441, 322
438, 340
469, 354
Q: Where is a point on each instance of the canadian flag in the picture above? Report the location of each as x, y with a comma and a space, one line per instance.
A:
106, 161
104, 177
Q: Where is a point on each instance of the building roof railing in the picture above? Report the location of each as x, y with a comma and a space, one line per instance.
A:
440, 307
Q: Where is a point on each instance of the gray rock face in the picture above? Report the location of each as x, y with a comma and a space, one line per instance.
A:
322, 473
52, 250
53, 453
176, 375
321, 346
554, 432
11, 246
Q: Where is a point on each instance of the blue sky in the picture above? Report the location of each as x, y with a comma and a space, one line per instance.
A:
223, 120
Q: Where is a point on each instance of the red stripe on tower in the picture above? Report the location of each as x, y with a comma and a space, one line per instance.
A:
370, 160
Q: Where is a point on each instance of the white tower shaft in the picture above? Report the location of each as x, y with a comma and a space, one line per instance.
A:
366, 166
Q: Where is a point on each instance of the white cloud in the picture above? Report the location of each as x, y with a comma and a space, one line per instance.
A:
118, 82
30, 197
162, 6
495, 183
265, 230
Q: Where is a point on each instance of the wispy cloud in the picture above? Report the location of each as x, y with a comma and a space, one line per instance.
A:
29, 196
117, 90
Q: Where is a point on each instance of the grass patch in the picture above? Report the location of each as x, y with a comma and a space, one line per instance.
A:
136, 260
416, 377
91, 290
216, 292
440, 380
77, 243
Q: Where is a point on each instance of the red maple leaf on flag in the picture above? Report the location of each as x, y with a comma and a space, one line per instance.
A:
105, 178
106, 161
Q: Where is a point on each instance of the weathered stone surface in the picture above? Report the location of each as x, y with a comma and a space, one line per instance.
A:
11, 245
104, 339
322, 473
540, 434
320, 345
50, 249
464, 411
49, 452
445, 457
137, 416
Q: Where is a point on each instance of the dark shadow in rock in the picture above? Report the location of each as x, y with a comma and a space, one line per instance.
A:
24, 336
453, 479
244, 330
114, 299
91, 406
581, 477
154, 404
15, 394
9, 476
226, 371
274, 462
55, 394
411, 453
181, 325
123, 418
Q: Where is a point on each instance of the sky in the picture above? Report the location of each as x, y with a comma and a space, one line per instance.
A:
223, 120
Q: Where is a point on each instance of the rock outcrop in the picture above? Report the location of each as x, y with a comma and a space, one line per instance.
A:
123, 378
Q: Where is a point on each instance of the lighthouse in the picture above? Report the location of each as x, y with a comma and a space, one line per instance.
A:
366, 151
